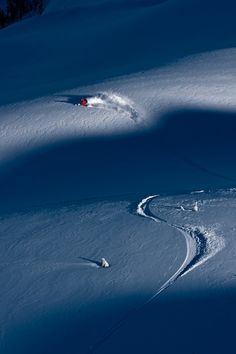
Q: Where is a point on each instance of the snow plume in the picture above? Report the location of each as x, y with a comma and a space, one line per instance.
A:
114, 102
207, 245
142, 206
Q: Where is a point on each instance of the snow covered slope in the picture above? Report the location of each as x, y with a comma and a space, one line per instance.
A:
76, 183
71, 48
65, 50
54, 294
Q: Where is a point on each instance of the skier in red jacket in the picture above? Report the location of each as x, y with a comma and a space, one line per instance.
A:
83, 102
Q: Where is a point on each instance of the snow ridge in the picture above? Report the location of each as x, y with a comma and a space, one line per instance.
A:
112, 101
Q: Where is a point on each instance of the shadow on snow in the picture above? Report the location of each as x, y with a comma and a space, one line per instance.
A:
200, 321
188, 150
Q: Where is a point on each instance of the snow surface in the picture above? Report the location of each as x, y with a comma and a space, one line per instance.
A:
108, 180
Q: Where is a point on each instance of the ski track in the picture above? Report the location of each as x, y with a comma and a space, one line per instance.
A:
201, 245
114, 102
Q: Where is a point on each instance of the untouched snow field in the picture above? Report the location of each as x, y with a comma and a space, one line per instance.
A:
119, 178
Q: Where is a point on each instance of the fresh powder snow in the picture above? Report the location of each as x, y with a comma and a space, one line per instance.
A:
142, 177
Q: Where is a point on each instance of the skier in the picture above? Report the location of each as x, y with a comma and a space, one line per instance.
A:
195, 207
83, 102
104, 263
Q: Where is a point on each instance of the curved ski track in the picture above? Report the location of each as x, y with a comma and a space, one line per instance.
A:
201, 246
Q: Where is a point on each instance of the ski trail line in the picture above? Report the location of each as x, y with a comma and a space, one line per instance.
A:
201, 245
143, 206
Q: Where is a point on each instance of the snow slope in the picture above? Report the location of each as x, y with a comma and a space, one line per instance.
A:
61, 51
76, 182
55, 296
196, 313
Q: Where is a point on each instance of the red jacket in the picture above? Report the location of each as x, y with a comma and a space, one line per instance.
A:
83, 102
